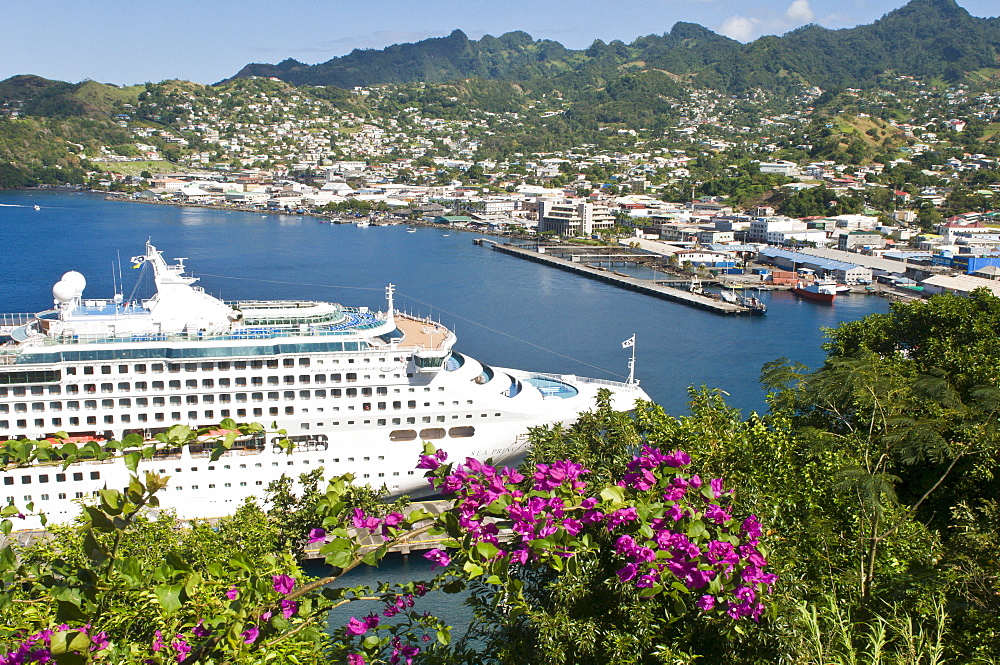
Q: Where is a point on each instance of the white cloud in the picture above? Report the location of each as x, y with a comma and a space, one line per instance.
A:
740, 28
799, 12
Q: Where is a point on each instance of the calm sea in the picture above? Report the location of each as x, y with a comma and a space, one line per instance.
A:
505, 311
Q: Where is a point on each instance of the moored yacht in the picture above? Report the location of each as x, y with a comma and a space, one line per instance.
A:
356, 391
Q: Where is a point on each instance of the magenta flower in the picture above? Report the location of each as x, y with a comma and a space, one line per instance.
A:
439, 557
316, 535
621, 516
233, 593
628, 572
181, 647
678, 458
100, 641
289, 608
717, 514
250, 635
360, 521
706, 603
158, 641
266, 616
200, 631
356, 627
355, 659
283, 583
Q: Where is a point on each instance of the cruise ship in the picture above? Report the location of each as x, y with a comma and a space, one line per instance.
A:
356, 391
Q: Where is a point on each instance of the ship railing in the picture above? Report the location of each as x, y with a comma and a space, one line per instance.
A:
620, 385
242, 336
15, 319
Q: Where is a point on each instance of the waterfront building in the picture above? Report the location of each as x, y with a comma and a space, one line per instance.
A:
573, 218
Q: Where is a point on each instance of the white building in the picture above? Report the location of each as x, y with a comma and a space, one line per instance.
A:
573, 218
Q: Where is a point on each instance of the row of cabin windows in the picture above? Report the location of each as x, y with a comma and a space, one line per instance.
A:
222, 365
159, 417
59, 478
223, 398
46, 497
210, 414
225, 382
192, 384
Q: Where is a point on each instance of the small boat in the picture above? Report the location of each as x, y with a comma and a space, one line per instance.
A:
843, 288
695, 286
754, 304
729, 297
822, 290
37, 207
411, 230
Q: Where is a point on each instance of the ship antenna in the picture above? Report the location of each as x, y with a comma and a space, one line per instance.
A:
389, 290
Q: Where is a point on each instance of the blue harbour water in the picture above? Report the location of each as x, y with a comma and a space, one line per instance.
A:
505, 311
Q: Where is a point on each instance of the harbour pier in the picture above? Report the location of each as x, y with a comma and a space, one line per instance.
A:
624, 281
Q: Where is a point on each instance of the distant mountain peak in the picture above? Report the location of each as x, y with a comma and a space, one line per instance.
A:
926, 38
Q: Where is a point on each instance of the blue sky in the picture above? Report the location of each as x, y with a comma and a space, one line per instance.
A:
133, 41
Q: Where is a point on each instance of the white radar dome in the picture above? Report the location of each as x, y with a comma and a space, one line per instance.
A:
76, 280
63, 291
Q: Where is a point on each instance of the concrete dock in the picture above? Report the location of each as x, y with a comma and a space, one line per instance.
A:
623, 281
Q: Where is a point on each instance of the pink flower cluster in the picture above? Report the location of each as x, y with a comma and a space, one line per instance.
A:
685, 533
388, 524
729, 554
179, 645
36, 648
394, 604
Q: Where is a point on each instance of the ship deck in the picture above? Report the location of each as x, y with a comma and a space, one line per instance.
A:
421, 333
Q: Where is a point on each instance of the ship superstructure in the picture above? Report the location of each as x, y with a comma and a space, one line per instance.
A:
356, 390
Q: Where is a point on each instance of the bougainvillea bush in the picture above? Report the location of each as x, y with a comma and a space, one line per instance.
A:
97, 597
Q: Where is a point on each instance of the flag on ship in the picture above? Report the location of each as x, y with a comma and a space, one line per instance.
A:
137, 260
629, 342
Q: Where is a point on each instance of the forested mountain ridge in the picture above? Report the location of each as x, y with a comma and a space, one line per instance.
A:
925, 38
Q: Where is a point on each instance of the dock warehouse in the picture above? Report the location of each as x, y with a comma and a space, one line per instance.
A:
843, 272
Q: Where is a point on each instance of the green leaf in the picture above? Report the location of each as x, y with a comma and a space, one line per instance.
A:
111, 501
69, 612
613, 494
169, 596
472, 570
132, 461
70, 658
341, 559
487, 550
67, 641
93, 548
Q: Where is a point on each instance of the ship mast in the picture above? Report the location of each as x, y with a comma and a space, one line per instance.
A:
390, 312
